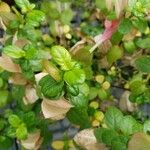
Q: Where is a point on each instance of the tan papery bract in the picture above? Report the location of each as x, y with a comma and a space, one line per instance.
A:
55, 109
7, 64
33, 141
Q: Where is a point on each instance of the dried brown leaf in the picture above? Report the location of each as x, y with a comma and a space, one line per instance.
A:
52, 70
125, 104
120, 6
86, 139
139, 141
4, 7
39, 76
33, 141
55, 109
18, 79
30, 95
7, 64
109, 4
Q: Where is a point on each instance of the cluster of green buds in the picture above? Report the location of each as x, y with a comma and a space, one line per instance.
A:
4, 94
104, 87
61, 144
112, 71
98, 116
140, 9
66, 31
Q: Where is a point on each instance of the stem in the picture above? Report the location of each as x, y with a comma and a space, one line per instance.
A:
16, 145
18, 14
95, 46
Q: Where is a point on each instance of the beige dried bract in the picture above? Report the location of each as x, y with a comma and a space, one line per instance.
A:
55, 109
18, 79
30, 95
86, 139
7, 64
33, 141
139, 141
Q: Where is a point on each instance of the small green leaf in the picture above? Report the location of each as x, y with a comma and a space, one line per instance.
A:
143, 64
13, 51
125, 26
62, 57
3, 98
11, 132
113, 118
66, 16
2, 123
140, 24
129, 125
108, 135
114, 54
22, 132
35, 17
22, 3
79, 101
73, 90
50, 87
79, 116
98, 134
75, 76
147, 126
14, 120
117, 145
5, 143
143, 43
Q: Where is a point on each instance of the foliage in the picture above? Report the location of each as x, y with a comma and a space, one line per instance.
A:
70, 59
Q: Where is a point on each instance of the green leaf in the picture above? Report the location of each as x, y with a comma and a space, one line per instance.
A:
104, 135
102, 94
93, 93
140, 24
11, 132
84, 88
6, 143
129, 125
113, 118
67, 16
98, 134
22, 3
62, 57
147, 126
35, 17
117, 145
2, 124
143, 64
73, 90
143, 43
108, 135
125, 26
79, 116
3, 98
79, 101
21, 132
114, 54
100, 4
75, 76
13, 51
50, 87
14, 120
136, 86
29, 119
